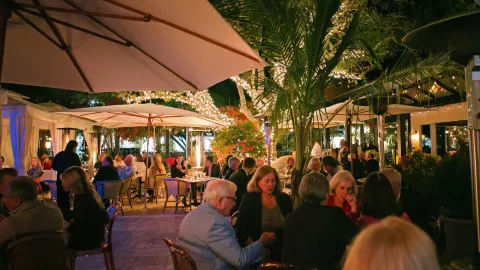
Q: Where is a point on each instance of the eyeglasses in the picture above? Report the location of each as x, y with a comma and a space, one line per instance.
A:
231, 198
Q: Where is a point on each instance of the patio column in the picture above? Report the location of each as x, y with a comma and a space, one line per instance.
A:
381, 139
402, 139
167, 142
433, 138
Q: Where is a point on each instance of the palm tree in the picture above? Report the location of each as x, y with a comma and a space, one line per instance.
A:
305, 43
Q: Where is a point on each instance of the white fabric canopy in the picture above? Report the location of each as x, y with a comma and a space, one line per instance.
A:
162, 45
338, 112
21, 123
135, 115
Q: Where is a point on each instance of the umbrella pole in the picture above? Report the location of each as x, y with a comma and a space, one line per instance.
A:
5, 13
381, 138
146, 171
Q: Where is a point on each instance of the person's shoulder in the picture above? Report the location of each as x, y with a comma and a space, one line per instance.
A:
236, 175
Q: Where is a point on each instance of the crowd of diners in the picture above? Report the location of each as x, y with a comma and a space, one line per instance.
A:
333, 226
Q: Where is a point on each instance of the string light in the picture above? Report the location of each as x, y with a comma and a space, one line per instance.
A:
201, 101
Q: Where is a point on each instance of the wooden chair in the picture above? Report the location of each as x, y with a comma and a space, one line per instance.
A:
37, 181
181, 259
36, 251
158, 184
282, 266
177, 188
125, 191
106, 248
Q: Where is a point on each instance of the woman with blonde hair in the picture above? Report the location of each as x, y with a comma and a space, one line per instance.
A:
35, 170
315, 165
118, 161
86, 216
157, 166
343, 194
263, 209
392, 244
46, 162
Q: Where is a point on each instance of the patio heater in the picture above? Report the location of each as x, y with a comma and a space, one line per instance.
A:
66, 135
458, 35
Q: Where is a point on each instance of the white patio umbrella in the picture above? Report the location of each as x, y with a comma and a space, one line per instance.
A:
134, 115
119, 45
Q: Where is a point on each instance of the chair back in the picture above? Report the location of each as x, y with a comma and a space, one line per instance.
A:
126, 186
112, 212
281, 266
175, 187
158, 182
36, 251
52, 185
181, 259
109, 189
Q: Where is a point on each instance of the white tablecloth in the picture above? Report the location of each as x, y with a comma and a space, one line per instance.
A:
49, 175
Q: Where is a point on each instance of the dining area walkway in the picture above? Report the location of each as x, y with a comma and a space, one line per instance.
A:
138, 241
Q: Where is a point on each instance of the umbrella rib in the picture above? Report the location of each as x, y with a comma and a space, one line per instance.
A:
34, 26
63, 44
183, 30
134, 45
124, 43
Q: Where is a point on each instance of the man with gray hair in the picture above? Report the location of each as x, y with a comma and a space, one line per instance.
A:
128, 171
27, 213
209, 238
315, 235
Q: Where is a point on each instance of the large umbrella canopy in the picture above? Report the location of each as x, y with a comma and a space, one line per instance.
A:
338, 113
136, 115
121, 45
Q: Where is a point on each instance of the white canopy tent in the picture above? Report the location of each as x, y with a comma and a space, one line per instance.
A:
122, 45
21, 122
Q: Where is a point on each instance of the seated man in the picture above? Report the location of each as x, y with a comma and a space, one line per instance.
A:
233, 163
6, 175
209, 238
128, 171
27, 213
330, 165
211, 169
241, 179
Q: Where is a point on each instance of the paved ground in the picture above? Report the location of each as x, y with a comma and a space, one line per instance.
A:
138, 239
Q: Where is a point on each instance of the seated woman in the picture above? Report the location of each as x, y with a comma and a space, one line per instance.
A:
86, 217
35, 170
107, 171
378, 201
315, 235
178, 169
118, 161
315, 165
46, 162
343, 194
156, 167
392, 244
263, 209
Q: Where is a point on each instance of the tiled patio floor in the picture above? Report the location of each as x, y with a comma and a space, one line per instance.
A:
138, 239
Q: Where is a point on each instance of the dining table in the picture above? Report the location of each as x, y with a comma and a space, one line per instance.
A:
194, 182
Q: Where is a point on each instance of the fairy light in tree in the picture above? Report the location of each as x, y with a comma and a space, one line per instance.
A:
201, 101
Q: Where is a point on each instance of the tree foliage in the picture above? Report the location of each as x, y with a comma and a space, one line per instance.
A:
242, 139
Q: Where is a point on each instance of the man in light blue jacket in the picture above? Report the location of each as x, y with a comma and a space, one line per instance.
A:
209, 238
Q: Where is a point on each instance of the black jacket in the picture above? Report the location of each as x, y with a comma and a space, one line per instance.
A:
106, 173
174, 172
241, 179
89, 219
60, 163
315, 236
370, 166
215, 171
228, 174
249, 222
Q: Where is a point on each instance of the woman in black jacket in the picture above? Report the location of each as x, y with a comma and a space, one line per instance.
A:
107, 171
263, 209
60, 163
178, 169
86, 216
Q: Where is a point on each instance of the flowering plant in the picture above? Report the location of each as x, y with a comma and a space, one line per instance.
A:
244, 139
